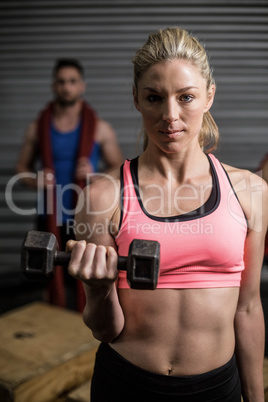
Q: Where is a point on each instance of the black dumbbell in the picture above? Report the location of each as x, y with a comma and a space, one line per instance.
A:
40, 256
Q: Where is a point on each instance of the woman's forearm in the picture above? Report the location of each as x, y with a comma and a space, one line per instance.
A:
249, 327
103, 313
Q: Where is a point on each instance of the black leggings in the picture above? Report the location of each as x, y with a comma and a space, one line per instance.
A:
117, 380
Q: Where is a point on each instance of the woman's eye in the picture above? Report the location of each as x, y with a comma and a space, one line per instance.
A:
154, 98
186, 98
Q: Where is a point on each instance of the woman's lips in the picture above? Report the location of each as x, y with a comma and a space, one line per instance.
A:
171, 133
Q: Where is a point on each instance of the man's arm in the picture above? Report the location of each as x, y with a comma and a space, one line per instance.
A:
111, 152
27, 157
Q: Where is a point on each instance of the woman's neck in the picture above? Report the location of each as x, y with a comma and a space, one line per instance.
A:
182, 165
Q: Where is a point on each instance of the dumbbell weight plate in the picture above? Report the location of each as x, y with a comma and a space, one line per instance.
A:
37, 255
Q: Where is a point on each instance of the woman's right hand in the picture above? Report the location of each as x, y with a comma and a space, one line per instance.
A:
95, 265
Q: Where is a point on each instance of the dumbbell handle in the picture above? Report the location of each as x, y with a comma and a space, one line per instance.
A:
40, 257
62, 258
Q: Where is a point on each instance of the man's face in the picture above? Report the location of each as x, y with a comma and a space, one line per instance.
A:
68, 86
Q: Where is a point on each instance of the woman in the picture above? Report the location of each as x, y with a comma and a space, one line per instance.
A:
175, 343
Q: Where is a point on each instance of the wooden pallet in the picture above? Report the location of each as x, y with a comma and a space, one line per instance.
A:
45, 352
81, 394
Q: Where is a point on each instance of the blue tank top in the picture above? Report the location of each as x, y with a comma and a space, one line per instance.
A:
64, 150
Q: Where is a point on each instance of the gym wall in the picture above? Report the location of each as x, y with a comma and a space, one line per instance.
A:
104, 35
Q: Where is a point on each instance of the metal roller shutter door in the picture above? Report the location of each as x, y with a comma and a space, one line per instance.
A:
104, 36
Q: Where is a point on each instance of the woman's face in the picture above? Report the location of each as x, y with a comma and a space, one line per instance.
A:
172, 97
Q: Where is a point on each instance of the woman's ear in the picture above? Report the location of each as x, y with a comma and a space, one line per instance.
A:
210, 97
135, 97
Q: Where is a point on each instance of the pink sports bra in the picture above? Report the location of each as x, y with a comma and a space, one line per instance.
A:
200, 249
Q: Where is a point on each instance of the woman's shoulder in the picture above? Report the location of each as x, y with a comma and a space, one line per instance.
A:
251, 190
102, 195
243, 178
96, 207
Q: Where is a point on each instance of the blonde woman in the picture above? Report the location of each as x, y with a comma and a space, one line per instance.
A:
199, 335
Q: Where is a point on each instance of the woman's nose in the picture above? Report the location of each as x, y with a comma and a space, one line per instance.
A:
171, 111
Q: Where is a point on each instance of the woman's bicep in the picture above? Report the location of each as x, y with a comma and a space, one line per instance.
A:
254, 245
94, 211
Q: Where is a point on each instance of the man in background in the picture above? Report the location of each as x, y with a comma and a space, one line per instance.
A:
70, 141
